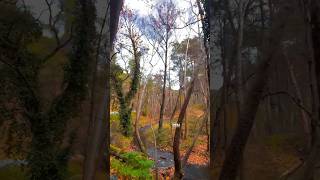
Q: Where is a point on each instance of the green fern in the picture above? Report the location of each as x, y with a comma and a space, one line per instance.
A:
133, 164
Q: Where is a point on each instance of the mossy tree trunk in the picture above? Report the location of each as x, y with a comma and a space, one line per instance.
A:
125, 118
125, 108
48, 154
48, 158
125, 98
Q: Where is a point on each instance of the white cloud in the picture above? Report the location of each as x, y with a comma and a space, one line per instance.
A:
141, 6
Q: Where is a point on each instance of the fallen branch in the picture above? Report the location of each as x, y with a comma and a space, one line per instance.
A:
290, 171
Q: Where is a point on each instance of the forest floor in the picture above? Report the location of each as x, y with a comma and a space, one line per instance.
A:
267, 159
198, 159
14, 172
264, 159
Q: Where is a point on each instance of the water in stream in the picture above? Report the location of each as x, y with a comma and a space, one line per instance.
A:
165, 160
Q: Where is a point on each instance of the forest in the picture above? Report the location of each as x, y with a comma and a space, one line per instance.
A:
159, 89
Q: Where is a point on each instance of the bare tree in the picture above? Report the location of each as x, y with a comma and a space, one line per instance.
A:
138, 114
162, 25
312, 9
176, 142
141, 99
128, 41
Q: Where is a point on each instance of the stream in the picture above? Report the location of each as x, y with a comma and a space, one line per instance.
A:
11, 162
165, 159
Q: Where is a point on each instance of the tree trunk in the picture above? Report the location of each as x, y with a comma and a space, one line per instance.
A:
245, 122
184, 87
100, 139
239, 74
304, 117
101, 129
205, 29
213, 122
155, 150
225, 86
174, 112
136, 129
163, 100
42, 146
239, 79
176, 143
313, 15
250, 107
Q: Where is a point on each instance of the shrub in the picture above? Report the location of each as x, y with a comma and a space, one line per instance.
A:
132, 164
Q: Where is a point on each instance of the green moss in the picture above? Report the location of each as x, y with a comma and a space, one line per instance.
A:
133, 165
120, 140
12, 173
114, 117
18, 173
280, 142
75, 169
42, 46
163, 136
75, 172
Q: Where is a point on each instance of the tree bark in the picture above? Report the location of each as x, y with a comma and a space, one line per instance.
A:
239, 79
313, 15
136, 129
100, 138
213, 123
304, 117
184, 87
94, 87
174, 112
238, 70
204, 19
250, 106
224, 98
176, 143
163, 99
245, 122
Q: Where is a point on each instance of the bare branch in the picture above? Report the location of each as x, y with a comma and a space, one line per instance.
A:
294, 100
188, 24
57, 49
52, 21
20, 74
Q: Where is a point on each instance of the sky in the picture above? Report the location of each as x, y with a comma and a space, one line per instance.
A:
185, 7
143, 7
138, 5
